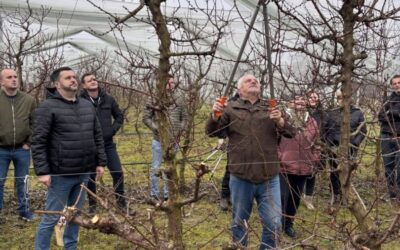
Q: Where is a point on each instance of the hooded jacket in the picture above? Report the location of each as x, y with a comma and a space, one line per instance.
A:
67, 137
16, 119
108, 112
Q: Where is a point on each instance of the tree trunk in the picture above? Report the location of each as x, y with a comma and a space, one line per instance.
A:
346, 167
18, 66
169, 154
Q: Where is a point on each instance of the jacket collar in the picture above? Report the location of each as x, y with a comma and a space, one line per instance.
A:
3, 93
52, 93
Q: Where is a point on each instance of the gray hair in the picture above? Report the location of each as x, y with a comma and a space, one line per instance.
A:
241, 80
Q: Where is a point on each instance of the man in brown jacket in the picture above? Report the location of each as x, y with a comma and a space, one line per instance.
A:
253, 129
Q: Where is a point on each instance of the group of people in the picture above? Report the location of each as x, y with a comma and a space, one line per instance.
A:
70, 135
273, 155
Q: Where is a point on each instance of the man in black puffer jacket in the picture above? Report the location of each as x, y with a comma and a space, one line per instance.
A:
389, 119
331, 136
111, 120
67, 144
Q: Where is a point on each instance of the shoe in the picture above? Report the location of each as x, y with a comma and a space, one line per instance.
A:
224, 204
307, 199
27, 216
289, 231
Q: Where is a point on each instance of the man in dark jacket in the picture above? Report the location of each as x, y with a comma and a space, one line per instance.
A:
332, 137
251, 127
67, 144
389, 119
111, 120
178, 118
16, 110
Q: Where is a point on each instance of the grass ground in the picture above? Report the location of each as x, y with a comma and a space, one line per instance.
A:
205, 226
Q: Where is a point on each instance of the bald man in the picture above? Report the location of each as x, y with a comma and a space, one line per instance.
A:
16, 110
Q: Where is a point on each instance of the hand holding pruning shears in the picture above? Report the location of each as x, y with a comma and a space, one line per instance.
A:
218, 107
274, 113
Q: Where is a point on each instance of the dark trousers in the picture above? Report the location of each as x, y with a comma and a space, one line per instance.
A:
310, 181
291, 190
310, 185
334, 176
390, 154
114, 165
225, 191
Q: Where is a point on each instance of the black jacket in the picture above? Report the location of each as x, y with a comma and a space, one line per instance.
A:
108, 112
67, 137
334, 123
320, 117
389, 116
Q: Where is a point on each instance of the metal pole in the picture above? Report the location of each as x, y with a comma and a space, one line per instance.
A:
246, 38
269, 52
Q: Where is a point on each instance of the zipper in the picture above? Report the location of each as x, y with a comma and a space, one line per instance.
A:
13, 116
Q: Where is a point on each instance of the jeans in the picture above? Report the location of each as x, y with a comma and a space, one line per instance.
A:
63, 191
155, 166
114, 165
390, 147
225, 192
291, 190
268, 198
21, 160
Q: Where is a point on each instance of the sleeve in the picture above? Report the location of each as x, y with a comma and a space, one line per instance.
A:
32, 110
383, 114
42, 123
312, 131
98, 138
287, 130
359, 137
148, 117
218, 128
117, 115
184, 117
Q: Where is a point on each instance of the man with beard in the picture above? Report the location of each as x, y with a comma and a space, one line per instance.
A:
67, 144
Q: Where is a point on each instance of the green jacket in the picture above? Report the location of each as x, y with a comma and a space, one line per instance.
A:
16, 119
